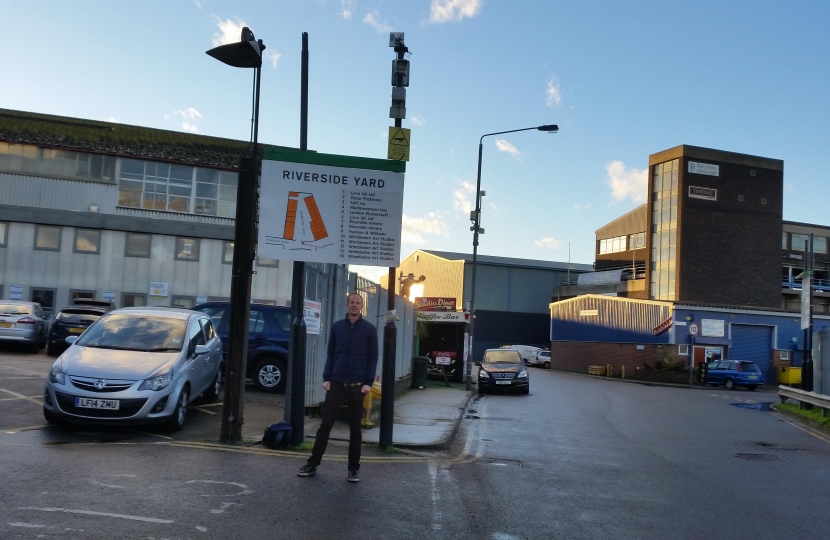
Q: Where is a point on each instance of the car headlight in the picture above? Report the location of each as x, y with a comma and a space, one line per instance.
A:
158, 382
523, 374
483, 374
57, 375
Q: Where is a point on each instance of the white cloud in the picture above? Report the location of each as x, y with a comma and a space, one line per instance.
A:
198, 4
229, 31
347, 8
505, 146
272, 56
413, 228
627, 183
187, 119
418, 121
554, 95
462, 198
580, 206
442, 11
548, 243
373, 19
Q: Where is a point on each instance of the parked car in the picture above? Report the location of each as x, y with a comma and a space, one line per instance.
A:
109, 305
525, 351
540, 358
70, 321
502, 370
23, 322
734, 373
269, 329
135, 365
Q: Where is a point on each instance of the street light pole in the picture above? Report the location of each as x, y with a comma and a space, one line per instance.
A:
475, 217
247, 53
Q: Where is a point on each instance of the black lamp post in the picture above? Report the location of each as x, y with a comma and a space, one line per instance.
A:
247, 53
475, 217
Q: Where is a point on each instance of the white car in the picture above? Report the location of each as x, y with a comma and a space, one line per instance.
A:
541, 358
525, 351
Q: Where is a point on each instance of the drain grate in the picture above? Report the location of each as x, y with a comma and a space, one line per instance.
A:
758, 457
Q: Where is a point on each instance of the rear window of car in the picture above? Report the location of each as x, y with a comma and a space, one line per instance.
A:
283, 319
135, 332
502, 357
14, 309
748, 367
78, 316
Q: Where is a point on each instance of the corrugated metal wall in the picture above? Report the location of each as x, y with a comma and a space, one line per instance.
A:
752, 342
608, 319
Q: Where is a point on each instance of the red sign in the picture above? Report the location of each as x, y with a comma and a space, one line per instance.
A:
434, 303
450, 354
662, 327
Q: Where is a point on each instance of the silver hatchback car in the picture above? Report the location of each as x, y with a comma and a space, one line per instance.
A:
22, 322
135, 366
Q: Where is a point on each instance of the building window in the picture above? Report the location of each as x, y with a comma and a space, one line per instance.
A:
612, 245
54, 162
133, 300
155, 186
44, 297
820, 244
683, 350
137, 245
270, 263
784, 244
227, 253
76, 294
215, 193
665, 178
798, 242
184, 302
4, 234
637, 241
87, 241
785, 355
47, 238
187, 249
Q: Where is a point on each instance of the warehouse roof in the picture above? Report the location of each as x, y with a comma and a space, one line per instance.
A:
509, 261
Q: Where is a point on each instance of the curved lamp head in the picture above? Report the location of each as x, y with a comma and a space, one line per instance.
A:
247, 53
552, 128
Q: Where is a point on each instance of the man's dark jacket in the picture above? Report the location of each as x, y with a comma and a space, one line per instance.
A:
352, 353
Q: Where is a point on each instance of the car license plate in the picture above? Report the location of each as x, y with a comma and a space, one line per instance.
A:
753, 376
6, 325
90, 403
443, 360
502, 382
76, 330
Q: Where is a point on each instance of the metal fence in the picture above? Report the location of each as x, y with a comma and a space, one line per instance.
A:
330, 284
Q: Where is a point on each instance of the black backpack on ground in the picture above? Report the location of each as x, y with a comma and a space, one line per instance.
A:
277, 435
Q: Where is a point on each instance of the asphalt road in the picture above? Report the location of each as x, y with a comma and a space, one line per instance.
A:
578, 458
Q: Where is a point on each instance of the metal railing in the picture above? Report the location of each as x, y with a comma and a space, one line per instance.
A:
821, 285
818, 400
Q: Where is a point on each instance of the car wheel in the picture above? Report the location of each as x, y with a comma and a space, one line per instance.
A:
546, 365
269, 375
714, 384
481, 390
176, 420
752, 387
525, 390
51, 418
215, 389
729, 384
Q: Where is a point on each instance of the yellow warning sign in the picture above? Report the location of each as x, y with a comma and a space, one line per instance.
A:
398, 144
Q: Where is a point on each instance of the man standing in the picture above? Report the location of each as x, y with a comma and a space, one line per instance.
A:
351, 361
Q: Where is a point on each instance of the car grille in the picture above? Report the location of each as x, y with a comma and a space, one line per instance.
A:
128, 407
508, 375
92, 385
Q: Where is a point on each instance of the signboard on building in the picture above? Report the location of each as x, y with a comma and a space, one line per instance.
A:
443, 358
704, 168
588, 312
712, 328
709, 194
159, 288
201, 299
437, 316
109, 295
311, 314
16, 292
434, 303
331, 209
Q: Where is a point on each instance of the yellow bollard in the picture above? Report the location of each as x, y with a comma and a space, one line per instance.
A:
609, 370
622, 372
367, 411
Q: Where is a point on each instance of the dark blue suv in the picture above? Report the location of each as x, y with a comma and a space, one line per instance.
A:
269, 328
734, 373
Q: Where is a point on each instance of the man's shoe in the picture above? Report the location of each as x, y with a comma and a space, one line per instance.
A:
354, 476
307, 470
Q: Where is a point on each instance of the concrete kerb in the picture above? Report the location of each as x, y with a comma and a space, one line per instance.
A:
648, 383
444, 444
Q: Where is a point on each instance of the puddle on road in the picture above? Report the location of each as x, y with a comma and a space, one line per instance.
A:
766, 406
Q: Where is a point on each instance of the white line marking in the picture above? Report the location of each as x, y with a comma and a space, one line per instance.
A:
124, 475
97, 483
156, 435
16, 398
21, 396
245, 490
436, 496
27, 428
28, 525
200, 528
102, 514
222, 507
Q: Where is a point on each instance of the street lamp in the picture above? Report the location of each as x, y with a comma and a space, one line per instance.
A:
247, 53
475, 217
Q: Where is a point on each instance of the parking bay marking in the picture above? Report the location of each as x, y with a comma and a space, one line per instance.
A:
21, 396
100, 514
16, 398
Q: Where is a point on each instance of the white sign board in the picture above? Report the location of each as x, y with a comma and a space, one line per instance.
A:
693, 329
321, 213
711, 327
16, 292
158, 288
311, 314
704, 168
201, 299
109, 295
446, 316
806, 285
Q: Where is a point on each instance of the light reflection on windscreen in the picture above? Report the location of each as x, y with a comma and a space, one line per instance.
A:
502, 357
124, 331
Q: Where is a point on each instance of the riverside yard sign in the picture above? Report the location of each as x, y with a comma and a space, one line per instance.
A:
330, 209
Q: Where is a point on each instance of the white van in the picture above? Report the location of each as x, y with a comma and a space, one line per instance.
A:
527, 352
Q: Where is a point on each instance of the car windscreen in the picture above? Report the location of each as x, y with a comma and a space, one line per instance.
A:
748, 367
135, 332
502, 357
78, 316
14, 309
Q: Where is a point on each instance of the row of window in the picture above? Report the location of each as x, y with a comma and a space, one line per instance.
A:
664, 230
48, 238
25, 158
800, 242
622, 243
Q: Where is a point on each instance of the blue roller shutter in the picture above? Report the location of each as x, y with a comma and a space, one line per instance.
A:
754, 343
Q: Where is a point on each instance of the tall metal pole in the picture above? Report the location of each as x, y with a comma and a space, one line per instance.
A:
241, 277
295, 390
476, 224
390, 331
807, 365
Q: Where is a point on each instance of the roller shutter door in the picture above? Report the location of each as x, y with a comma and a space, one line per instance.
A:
754, 343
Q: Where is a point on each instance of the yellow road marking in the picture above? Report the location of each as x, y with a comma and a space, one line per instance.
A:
16, 398
203, 410
806, 429
26, 428
21, 396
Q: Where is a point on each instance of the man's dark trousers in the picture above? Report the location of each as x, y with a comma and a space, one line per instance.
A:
337, 394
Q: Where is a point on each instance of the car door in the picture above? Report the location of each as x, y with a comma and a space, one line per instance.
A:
715, 373
196, 365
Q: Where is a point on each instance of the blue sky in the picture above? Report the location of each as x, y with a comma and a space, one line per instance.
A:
622, 80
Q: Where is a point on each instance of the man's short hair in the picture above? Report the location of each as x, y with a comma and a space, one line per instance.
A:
352, 294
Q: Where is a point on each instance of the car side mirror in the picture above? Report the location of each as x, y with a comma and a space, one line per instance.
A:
71, 339
201, 350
